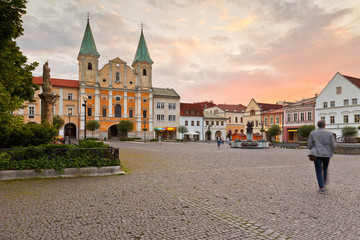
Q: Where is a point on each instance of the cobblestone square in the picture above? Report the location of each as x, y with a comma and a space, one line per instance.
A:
190, 191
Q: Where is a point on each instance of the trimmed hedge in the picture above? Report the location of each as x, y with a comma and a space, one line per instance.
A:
59, 157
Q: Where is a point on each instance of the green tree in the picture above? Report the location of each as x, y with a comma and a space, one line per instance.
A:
274, 130
58, 122
92, 125
349, 131
304, 131
182, 129
16, 80
125, 126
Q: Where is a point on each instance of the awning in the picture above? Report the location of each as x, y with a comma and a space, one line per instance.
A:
191, 133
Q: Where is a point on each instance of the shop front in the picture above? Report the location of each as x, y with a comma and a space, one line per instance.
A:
165, 132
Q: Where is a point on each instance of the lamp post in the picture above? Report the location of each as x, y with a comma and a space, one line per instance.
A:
69, 127
209, 135
84, 105
144, 129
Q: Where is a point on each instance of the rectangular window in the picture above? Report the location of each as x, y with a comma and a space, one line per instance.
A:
325, 105
197, 123
271, 121
229, 119
302, 117
277, 121
295, 117
322, 119
89, 113
186, 123
207, 123
354, 101
346, 119
332, 119
357, 118
160, 117
212, 123
288, 118
131, 113
222, 123
172, 105
70, 96
346, 102
31, 112
217, 123
309, 116
257, 123
236, 119
192, 123
266, 122
338, 90
332, 103
104, 112
172, 118
145, 114
160, 105
241, 119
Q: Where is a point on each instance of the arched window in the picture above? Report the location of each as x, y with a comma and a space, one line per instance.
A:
117, 111
117, 77
144, 72
89, 66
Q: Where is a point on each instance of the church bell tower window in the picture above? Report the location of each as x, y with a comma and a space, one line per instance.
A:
144, 72
89, 66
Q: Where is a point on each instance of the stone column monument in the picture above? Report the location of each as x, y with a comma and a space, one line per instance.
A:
47, 98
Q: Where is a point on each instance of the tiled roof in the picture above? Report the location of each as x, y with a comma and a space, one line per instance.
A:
58, 82
194, 109
232, 107
276, 111
165, 92
302, 102
355, 81
268, 107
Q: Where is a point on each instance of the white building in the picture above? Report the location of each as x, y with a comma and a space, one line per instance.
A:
215, 125
339, 103
166, 113
192, 117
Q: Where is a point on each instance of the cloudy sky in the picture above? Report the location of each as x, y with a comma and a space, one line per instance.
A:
225, 51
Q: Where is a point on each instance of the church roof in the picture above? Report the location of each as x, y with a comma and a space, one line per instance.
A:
56, 82
88, 44
165, 92
142, 53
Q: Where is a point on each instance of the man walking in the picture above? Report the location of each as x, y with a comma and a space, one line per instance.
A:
321, 144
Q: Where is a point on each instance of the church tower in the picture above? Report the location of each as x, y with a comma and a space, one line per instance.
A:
88, 59
142, 65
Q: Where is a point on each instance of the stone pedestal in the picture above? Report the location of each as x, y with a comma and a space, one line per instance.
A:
47, 102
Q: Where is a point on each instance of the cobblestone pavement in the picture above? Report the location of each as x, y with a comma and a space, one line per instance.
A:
190, 191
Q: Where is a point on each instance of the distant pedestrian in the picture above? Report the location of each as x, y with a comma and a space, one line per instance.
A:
159, 140
321, 145
218, 139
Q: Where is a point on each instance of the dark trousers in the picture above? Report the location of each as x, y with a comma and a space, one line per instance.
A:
321, 169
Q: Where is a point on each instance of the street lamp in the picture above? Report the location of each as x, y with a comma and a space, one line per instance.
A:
69, 127
209, 133
144, 129
84, 105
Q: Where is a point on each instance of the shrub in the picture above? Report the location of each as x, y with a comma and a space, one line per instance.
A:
349, 131
129, 139
304, 131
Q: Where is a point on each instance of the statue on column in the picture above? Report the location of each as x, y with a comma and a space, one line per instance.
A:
47, 98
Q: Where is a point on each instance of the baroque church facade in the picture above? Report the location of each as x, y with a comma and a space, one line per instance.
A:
116, 90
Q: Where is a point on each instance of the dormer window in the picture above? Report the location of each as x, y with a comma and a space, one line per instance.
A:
117, 77
144, 72
89, 66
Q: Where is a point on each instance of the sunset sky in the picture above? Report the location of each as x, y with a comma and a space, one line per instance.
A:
225, 51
